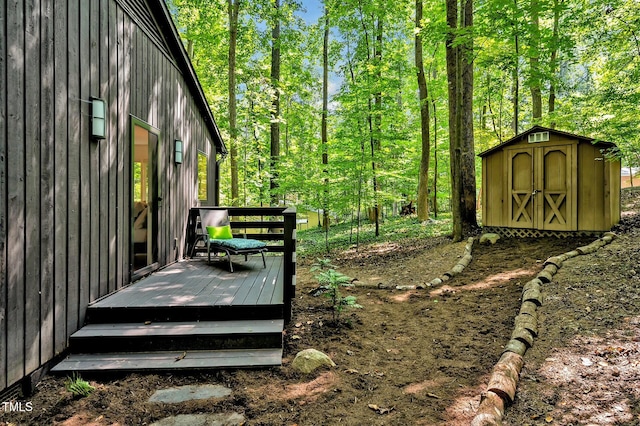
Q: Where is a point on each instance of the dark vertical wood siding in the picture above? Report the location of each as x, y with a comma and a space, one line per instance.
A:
65, 200
3, 206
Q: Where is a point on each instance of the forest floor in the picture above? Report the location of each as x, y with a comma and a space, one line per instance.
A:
423, 357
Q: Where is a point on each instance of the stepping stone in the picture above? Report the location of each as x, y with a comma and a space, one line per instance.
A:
219, 419
189, 393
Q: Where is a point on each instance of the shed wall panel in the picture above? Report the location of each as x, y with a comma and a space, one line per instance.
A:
494, 201
612, 192
591, 203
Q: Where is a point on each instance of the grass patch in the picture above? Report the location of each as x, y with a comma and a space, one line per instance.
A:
77, 386
311, 242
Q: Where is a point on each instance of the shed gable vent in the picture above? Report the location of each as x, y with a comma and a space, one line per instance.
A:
538, 137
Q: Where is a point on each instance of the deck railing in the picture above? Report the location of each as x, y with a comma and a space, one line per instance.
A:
276, 225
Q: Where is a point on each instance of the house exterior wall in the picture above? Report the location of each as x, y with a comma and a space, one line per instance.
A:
65, 200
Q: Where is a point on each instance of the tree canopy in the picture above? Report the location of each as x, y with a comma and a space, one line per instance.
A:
569, 64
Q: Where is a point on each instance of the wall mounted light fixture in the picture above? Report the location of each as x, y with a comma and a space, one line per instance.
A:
178, 152
98, 119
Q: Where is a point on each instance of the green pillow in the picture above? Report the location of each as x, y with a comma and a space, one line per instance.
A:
220, 232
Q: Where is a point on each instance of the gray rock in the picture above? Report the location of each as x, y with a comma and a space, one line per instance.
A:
218, 419
489, 238
310, 360
189, 393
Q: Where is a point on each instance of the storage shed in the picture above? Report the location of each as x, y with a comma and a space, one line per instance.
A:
545, 181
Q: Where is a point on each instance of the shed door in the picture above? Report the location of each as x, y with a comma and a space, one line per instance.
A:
556, 188
520, 177
542, 187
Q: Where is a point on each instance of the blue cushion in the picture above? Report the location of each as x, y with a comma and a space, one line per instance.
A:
239, 243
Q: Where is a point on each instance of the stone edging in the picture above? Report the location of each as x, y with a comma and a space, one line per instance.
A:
501, 388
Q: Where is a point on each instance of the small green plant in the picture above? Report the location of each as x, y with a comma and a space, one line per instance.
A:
331, 281
321, 265
78, 386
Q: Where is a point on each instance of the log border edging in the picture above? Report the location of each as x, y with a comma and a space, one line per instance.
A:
464, 261
504, 378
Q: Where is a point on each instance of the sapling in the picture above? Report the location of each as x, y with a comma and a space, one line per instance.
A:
330, 282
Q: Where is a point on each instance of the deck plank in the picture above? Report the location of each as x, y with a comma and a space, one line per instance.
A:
224, 295
172, 360
197, 283
180, 328
268, 288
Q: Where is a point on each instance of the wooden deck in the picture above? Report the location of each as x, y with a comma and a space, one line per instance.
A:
193, 290
191, 311
197, 283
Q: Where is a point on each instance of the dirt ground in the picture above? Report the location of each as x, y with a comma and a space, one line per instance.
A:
423, 357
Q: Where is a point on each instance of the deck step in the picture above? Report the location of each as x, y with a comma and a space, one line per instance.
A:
182, 313
171, 360
178, 336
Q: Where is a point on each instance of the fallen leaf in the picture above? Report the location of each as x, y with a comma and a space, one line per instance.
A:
381, 410
351, 371
433, 395
548, 419
178, 358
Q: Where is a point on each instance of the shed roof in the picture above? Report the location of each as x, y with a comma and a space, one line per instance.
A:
164, 21
535, 129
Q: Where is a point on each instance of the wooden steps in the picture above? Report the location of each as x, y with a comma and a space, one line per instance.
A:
130, 314
185, 336
153, 346
171, 360
214, 318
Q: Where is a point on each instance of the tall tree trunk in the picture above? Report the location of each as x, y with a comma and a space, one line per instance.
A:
515, 94
534, 62
377, 120
454, 116
553, 62
325, 108
275, 104
459, 54
435, 157
233, 8
468, 163
423, 97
